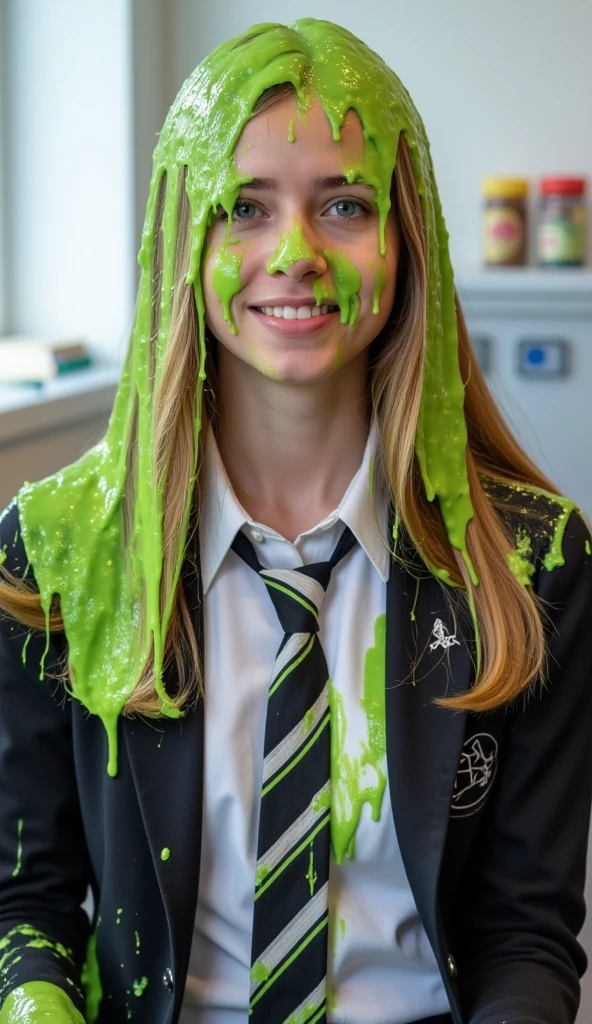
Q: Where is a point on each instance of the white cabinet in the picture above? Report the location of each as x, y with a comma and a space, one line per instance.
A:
551, 413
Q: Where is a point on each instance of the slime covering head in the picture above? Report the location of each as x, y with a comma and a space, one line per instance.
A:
108, 573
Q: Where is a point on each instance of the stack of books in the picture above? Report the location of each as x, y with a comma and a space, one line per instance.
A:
26, 360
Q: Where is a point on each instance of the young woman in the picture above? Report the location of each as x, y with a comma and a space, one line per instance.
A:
295, 669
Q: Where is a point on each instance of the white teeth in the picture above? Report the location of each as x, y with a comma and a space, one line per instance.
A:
296, 312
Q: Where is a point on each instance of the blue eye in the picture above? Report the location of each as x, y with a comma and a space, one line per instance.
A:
243, 210
349, 209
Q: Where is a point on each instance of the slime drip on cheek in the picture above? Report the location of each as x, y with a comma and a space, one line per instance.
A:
226, 280
346, 286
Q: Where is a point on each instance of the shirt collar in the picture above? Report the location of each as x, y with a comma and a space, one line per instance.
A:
222, 515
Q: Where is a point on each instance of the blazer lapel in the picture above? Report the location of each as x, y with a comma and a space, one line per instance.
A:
166, 762
166, 758
426, 657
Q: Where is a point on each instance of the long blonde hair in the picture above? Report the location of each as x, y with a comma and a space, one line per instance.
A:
508, 614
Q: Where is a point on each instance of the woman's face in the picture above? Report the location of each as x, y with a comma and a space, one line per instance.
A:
301, 241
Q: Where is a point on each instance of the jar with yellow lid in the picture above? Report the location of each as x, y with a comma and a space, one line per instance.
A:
505, 222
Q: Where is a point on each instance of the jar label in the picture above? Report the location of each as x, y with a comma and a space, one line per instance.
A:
562, 239
503, 234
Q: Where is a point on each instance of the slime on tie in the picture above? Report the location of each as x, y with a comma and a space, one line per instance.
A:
107, 569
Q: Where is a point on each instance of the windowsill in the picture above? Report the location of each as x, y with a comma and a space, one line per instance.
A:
519, 279
73, 398
543, 293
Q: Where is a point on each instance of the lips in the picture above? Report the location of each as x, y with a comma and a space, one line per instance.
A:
296, 324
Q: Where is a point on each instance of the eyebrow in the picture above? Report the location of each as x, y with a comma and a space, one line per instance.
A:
271, 185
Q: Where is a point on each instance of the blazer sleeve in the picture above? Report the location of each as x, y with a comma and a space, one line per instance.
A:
44, 863
524, 903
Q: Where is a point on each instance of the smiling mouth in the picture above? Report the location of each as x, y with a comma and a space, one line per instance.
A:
296, 312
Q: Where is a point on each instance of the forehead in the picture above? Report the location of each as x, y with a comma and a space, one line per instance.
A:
265, 138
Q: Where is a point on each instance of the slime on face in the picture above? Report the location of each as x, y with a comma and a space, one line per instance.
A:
107, 572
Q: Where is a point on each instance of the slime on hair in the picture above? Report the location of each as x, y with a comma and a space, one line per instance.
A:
106, 569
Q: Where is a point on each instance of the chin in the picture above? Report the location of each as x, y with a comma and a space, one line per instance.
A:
300, 371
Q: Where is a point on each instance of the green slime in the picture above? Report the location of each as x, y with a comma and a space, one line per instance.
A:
226, 281
91, 978
347, 281
108, 579
140, 986
37, 1002
349, 791
311, 875
34, 1001
292, 247
520, 559
19, 850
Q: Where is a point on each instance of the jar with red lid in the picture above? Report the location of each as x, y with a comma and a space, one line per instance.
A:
561, 231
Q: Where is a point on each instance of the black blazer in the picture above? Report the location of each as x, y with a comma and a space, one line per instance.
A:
492, 811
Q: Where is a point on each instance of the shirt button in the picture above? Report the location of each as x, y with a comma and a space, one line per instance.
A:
257, 536
451, 965
167, 979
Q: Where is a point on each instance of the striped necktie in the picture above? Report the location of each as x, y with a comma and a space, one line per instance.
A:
289, 947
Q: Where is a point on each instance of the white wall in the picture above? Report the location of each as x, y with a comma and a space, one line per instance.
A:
152, 33
69, 232
503, 86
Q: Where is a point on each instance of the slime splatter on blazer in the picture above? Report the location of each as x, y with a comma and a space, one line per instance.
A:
492, 811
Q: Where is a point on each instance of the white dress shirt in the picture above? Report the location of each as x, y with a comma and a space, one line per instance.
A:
381, 967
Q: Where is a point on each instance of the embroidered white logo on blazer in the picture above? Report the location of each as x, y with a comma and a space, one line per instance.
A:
475, 775
443, 637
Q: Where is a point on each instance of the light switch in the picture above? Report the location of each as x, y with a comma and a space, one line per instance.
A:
543, 358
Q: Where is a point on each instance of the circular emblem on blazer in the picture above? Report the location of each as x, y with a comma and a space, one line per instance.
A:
475, 775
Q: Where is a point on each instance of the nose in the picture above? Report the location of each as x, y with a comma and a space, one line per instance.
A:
295, 257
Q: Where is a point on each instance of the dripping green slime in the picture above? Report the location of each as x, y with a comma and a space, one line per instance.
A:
108, 577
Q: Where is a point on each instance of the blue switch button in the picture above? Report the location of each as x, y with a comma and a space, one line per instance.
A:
543, 359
